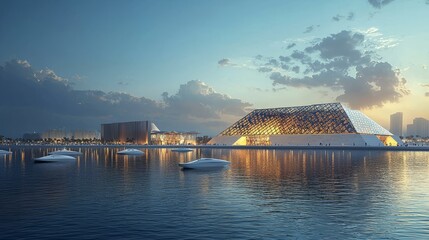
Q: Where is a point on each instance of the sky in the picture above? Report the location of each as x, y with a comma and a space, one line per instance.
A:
202, 65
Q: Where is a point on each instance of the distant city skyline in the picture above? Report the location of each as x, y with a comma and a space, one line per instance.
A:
397, 123
202, 65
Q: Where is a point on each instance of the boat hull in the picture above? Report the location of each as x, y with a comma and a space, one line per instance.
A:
3, 152
53, 158
131, 152
182, 150
205, 163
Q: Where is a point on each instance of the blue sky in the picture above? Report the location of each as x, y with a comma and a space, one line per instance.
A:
146, 48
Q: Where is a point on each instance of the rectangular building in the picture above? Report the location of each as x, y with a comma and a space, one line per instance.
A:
421, 127
396, 121
137, 132
410, 130
174, 138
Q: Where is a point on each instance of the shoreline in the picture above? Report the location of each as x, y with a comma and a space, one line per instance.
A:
368, 148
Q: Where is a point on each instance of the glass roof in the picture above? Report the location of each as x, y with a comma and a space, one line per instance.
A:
364, 124
330, 118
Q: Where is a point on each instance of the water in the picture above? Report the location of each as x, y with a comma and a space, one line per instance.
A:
264, 194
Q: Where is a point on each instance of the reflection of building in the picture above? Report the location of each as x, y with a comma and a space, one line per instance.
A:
419, 127
396, 123
320, 124
173, 138
132, 132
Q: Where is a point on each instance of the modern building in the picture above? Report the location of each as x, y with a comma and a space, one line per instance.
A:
126, 132
410, 130
84, 134
174, 138
144, 132
321, 124
55, 134
31, 136
419, 127
396, 122
59, 134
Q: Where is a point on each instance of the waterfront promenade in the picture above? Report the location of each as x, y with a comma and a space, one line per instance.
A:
289, 147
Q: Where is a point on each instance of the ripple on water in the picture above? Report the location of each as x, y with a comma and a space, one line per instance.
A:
264, 194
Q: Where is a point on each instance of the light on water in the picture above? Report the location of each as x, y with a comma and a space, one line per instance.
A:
277, 194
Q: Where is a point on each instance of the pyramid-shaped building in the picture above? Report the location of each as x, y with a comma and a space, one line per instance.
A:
321, 124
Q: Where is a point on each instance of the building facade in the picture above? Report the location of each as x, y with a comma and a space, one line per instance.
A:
173, 138
32, 136
419, 127
321, 124
55, 134
137, 132
410, 130
396, 122
144, 132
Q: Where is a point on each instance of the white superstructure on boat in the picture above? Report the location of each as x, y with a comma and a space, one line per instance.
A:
65, 152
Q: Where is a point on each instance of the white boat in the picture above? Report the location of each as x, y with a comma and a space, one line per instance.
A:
130, 151
3, 152
54, 158
65, 152
205, 163
182, 149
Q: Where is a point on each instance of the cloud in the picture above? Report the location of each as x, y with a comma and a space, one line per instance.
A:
238, 63
309, 29
265, 69
337, 17
48, 74
195, 99
341, 63
284, 58
375, 40
295, 69
427, 93
373, 85
224, 62
37, 100
291, 45
122, 83
379, 3
259, 57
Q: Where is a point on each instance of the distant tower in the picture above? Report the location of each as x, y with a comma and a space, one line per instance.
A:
396, 123
410, 130
421, 127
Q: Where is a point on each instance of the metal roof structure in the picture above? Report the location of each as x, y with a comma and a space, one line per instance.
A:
329, 118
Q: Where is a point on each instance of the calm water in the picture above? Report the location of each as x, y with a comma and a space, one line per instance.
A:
264, 194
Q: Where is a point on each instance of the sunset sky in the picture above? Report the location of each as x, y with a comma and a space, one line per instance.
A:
201, 65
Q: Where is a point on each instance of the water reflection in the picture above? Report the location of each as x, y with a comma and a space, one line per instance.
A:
292, 193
